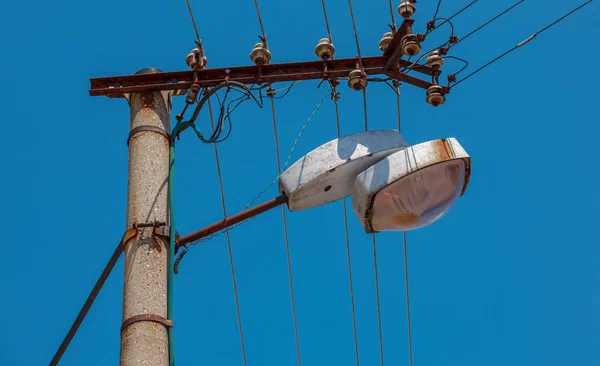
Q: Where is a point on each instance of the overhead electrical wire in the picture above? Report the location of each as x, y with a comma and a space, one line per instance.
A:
216, 133
262, 29
450, 45
262, 193
375, 267
410, 353
452, 16
326, 21
397, 90
523, 43
449, 23
229, 250
335, 98
193, 20
377, 297
287, 89
437, 10
392, 17
360, 62
198, 41
410, 67
485, 24
287, 242
466, 63
364, 93
410, 358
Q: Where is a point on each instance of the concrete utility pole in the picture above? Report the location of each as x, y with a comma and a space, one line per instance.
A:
144, 338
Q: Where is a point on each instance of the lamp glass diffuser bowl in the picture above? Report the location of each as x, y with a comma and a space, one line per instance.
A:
411, 188
419, 199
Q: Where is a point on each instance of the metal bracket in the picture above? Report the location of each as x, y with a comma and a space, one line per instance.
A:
129, 234
160, 231
146, 318
148, 129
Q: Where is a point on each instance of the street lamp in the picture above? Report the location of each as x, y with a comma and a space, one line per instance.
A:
327, 173
394, 186
411, 188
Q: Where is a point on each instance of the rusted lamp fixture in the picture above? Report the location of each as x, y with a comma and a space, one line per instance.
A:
394, 186
327, 173
411, 188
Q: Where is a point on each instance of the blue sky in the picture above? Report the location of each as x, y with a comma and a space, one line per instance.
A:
510, 276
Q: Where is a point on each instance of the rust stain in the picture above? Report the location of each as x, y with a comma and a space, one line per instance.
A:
441, 150
129, 234
148, 99
406, 219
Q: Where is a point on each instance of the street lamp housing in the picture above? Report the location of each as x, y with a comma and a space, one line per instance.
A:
411, 188
327, 173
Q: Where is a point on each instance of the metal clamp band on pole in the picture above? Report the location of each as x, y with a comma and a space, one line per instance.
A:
146, 318
149, 129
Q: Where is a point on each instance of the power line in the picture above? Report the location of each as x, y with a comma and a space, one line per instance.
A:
326, 21
193, 20
287, 242
450, 18
397, 86
523, 43
259, 195
364, 93
355, 35
262, 29
461, 60
375, 254
407, 302
337, 121
437, 10
563, 17
198, 41
446, 20
377, 296
450, 46
392, 17
485, 24
410, 358
233, 278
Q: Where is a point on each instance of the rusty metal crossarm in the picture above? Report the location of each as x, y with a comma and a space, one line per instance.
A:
394, 57
117, 86
394, 51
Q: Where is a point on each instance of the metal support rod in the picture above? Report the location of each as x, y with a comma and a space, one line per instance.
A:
146, 342
92, 296
232, 220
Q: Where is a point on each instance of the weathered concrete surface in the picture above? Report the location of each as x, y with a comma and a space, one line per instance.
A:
146, 259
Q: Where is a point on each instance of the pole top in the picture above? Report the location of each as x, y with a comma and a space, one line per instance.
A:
149, 70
